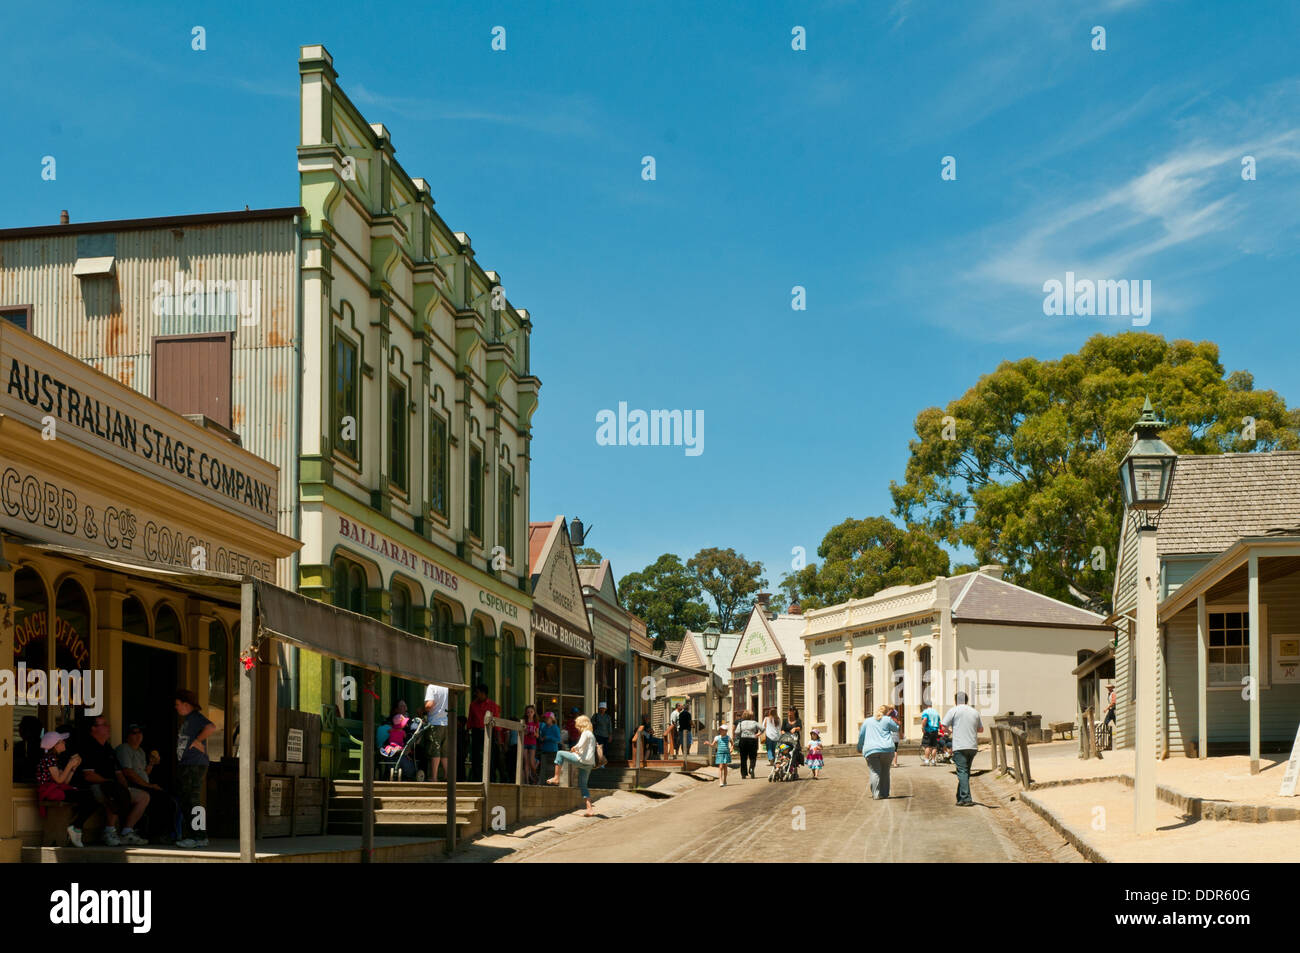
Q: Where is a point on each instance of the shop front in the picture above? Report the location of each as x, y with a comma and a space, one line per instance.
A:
104, 496
564, 672
373, 566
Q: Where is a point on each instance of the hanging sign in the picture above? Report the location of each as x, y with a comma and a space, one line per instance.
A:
1292, 769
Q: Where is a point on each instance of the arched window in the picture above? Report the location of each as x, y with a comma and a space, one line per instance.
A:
868, 687
477, 654
72, 627
930, 684
401, 607
349, 586
167, 626
509, 703
819, 680
218, 688
135, 620
31, 631
441, 622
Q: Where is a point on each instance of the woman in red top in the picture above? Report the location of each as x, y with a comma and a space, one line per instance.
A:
531, 729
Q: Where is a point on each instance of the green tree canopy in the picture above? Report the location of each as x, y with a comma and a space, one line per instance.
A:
666, 596
731, 581
861, 557
586, 556
1023, 467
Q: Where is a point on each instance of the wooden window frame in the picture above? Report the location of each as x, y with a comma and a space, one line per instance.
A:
337, 412
28, 312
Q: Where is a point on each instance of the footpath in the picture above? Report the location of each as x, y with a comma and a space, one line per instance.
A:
1210, 810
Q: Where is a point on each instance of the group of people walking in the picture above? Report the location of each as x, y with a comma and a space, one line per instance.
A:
878, 742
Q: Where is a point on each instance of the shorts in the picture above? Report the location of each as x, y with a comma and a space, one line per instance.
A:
930, 739
436, 740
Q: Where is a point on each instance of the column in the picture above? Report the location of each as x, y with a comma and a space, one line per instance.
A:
909, 676
884, 678
1202, 676
1255, 635
10, 846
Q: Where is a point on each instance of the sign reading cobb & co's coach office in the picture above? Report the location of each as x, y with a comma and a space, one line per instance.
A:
51, 391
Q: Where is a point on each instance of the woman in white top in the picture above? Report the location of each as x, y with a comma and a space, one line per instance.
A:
583, 755
771, 731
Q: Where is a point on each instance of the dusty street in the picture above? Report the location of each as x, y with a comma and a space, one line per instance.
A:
832, 819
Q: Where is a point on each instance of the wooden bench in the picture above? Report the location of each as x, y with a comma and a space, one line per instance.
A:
1065, 728
58, 815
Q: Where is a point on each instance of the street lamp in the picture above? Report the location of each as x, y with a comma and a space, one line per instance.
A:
1146, 477
711, 638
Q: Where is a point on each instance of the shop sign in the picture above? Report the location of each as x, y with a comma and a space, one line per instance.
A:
885, 628
293, 745
552, 628
55, 393
497, 603
36, 625
36, 498
394, 552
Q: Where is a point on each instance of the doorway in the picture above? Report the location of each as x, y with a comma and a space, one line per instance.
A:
841, 703
150, 676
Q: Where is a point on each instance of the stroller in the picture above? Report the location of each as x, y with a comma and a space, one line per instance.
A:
784, 765
402, 765
943, 751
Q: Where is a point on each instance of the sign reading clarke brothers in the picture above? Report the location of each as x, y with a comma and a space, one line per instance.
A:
42, 386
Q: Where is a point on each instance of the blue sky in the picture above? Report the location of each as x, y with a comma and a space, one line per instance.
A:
775, 168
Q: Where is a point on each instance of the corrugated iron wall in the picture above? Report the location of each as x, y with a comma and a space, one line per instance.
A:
110, 322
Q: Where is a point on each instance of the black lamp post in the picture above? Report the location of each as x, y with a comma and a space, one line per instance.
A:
1146, 478
712, 636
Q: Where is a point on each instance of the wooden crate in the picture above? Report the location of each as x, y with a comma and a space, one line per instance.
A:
308, 806
281, 824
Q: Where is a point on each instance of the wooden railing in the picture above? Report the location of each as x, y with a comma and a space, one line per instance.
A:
1020, 749
491, 722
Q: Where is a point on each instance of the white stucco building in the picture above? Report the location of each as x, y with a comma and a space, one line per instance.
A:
1009, 648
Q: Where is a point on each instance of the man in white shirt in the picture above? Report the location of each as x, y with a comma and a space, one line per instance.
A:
435, 710
964, 721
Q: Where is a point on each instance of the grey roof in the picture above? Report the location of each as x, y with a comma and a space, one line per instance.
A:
993, 600
1219, 498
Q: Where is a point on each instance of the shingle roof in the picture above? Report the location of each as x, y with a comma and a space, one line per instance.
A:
994, 600
1219, 498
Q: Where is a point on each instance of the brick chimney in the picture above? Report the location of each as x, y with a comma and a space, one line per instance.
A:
795, 609
63, 217
761, 603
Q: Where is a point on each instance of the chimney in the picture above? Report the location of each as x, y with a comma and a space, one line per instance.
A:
63, 217
761, 603
993, 569
795, 609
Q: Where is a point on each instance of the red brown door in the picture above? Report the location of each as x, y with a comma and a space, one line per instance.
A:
191, 375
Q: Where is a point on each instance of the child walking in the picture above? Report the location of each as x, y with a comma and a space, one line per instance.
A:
814, 756
722, 754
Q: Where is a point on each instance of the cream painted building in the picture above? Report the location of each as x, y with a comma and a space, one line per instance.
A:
1009, 648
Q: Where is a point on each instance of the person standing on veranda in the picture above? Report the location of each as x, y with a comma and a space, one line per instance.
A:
877, 740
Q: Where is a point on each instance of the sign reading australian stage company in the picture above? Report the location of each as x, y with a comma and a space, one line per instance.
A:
68, 400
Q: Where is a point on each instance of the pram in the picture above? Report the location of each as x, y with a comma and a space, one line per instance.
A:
402, 765
783, 765
943, 750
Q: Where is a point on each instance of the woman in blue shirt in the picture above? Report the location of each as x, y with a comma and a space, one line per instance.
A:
548, 743
877, 740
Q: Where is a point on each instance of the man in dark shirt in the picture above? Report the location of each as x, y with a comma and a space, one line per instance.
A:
102, 776
192, 770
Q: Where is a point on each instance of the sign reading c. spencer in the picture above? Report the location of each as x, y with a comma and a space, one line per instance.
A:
53, 392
